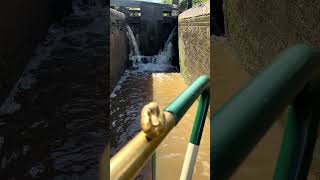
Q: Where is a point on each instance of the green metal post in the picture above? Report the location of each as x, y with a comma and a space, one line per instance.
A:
289, 144
299, 137
154, 167
200, 118
195, 138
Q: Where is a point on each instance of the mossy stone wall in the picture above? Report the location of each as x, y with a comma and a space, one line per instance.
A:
194, 42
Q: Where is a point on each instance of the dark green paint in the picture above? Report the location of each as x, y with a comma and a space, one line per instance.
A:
154, 166
200, 119
182, 103
299, 136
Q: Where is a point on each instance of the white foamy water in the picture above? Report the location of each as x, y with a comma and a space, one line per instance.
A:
146, 64
134, 48
159, 62
133, 41
166, 45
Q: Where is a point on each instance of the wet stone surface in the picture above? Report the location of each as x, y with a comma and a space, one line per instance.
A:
53, 124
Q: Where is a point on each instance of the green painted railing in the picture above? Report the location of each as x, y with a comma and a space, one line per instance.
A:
292, 80
179, 107
131, 158
183, 102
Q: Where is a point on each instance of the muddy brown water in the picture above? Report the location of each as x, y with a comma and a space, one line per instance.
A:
228, 77
138, 89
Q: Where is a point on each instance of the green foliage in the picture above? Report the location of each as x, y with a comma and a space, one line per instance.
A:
195, 2
166, 1
183, 3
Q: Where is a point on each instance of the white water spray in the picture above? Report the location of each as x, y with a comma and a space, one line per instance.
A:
167, 44
164, 56
133, 41
147, 63
134, 55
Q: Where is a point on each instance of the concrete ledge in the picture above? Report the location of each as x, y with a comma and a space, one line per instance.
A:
118, 46
194, 42
115, 15
201, 10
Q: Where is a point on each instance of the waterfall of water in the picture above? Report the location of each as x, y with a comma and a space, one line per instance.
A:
159, 61
134, 55
166, 45
165, 55
133, 41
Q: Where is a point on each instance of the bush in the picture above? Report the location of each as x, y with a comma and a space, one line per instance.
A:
183, 3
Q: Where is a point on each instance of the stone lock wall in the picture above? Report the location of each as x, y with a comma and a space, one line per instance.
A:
23, 25
194, 42
259, 30
118, 46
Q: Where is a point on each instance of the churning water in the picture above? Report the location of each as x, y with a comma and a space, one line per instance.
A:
159, 62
